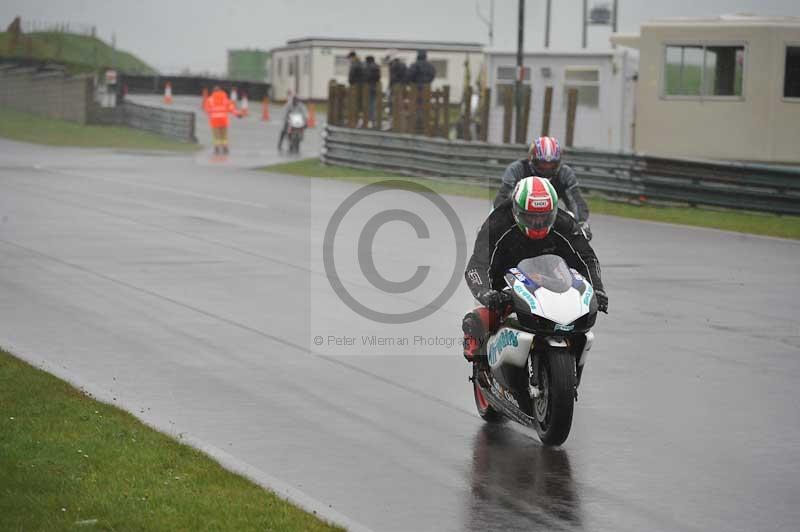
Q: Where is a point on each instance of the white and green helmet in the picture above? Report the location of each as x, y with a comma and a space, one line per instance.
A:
535, 206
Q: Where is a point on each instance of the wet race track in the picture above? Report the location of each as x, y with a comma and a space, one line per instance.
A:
194, 293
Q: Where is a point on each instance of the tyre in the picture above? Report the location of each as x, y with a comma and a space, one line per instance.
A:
294, 144
485, 410
552, 410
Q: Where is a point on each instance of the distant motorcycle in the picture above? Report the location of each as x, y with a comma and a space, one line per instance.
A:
536, 359
297, 126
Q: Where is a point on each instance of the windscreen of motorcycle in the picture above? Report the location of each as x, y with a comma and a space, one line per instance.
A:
548, 271
296, 120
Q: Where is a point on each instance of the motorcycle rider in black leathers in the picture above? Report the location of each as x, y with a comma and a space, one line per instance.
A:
544, 160
527, 224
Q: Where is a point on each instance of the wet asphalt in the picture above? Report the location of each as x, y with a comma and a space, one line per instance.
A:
193, 292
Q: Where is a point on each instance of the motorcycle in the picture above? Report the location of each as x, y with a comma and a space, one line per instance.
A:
297, 126
536, 358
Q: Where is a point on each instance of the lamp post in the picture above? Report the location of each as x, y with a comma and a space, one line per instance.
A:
547, 24
518, 83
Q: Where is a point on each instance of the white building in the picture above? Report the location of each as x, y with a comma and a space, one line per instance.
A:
719, 88
605, 82
306, 66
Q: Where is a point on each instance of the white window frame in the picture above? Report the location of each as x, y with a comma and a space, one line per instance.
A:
526, 74
568, 83
787, 99
703, 97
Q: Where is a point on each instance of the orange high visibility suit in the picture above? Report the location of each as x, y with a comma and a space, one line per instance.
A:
218, 106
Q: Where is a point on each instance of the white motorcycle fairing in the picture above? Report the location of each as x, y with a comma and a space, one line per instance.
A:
509, 346
562, 308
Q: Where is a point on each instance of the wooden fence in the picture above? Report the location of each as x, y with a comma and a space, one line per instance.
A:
419, 110
406, 108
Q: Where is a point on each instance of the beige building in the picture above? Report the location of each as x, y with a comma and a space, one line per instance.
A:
718, 88
306, 66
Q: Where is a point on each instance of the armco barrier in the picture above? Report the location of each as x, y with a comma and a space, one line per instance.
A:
747, 186
178, 125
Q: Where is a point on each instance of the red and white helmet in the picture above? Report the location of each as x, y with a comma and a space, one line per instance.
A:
535, 206
545, 156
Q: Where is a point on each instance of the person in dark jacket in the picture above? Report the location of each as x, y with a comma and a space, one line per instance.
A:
544, 160
356, 74
397, 68
356, 77
372, 76
527, 224
422, 71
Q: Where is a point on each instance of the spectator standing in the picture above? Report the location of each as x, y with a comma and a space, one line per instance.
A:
356, 77
421, 71
397, 69
372, 76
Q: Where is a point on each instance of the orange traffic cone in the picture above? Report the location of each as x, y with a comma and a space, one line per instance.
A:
265, 109
312, 115
168, 92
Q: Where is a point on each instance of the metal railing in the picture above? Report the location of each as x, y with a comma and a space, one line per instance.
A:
747, 186
178, 125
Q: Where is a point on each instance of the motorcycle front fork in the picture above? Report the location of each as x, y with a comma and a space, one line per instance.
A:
533, 371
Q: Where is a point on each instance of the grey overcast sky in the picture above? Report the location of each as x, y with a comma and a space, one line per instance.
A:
173, 35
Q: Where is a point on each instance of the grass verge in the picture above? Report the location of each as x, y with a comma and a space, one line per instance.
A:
26, 127
69, 462
744, 222
81, 53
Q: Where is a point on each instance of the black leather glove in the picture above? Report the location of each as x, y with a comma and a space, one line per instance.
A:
587, 231
602, 301
494, 299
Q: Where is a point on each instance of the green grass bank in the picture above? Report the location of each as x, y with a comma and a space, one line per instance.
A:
26, 127
68, 462
80, 53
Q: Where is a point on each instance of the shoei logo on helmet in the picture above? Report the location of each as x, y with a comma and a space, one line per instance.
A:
539, 203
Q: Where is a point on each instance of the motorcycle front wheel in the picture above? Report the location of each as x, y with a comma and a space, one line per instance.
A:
552, 410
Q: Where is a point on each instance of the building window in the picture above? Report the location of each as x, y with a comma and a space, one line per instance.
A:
587, 81
441, 67
509, 73
702, 70
341, 65
306, 62
791, 76
280, 67
506, 77
291, 64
